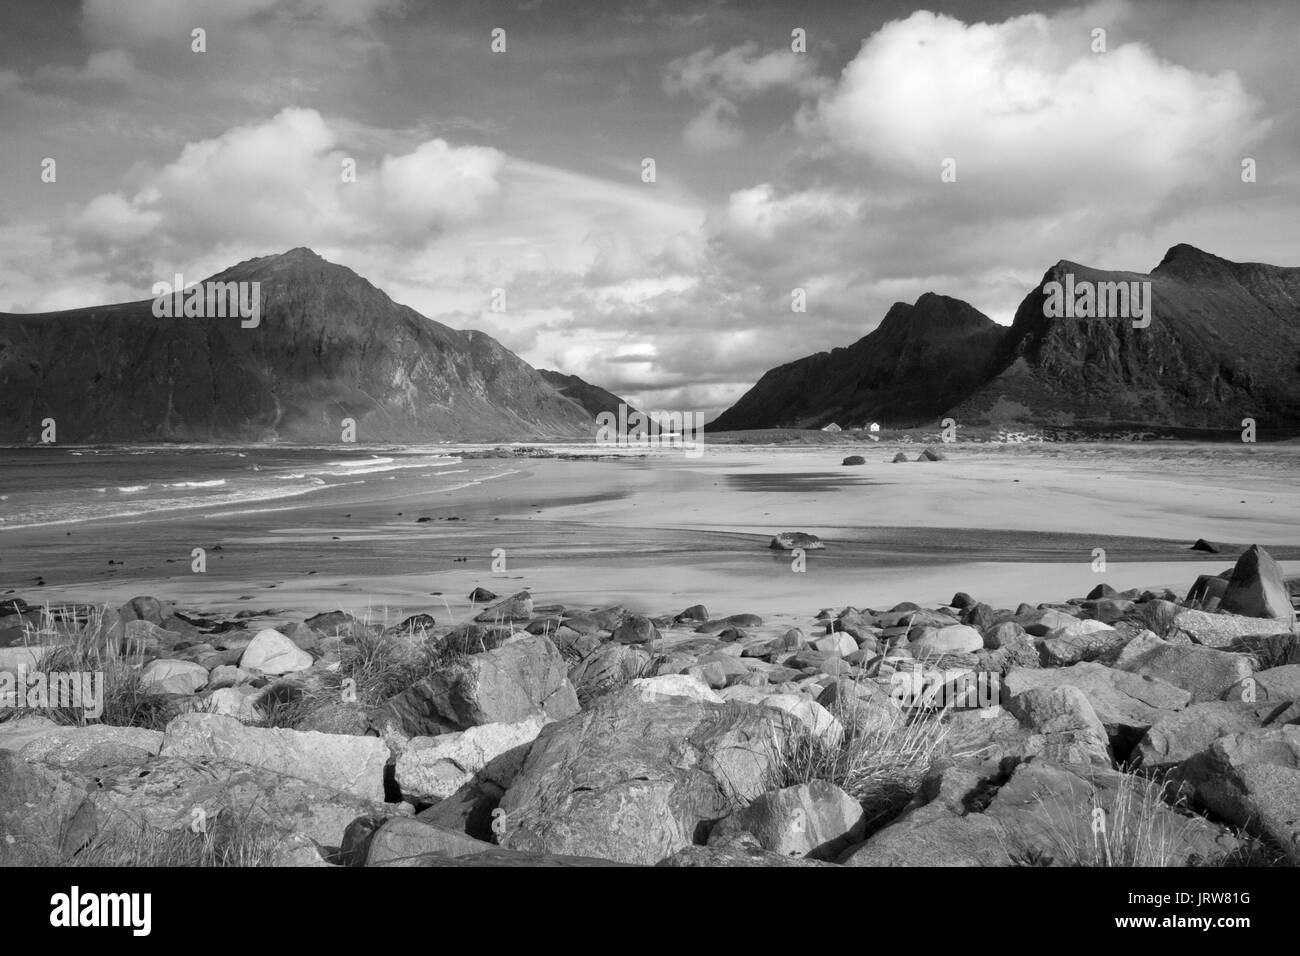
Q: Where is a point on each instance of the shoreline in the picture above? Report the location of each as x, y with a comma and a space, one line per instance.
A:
651, 530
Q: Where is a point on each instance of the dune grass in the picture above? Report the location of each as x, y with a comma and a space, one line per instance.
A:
86, 647
226, 840
879, 762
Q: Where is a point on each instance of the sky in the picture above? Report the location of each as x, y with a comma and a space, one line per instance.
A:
862, 152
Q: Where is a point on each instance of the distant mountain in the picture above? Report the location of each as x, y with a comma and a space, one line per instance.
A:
918, 362
1222, 344
329, 346
593, 398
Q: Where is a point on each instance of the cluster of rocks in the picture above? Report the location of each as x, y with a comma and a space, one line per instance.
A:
557, 736
929, 454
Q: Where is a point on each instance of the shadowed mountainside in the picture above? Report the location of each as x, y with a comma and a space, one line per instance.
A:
593, 398
1223, 344
329, 346
921, 360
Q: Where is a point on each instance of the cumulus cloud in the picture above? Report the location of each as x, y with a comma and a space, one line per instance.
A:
1026, 108
280, 183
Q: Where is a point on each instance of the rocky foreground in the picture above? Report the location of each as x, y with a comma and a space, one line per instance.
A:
1131, 728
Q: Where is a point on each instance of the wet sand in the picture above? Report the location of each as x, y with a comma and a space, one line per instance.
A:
1004, 523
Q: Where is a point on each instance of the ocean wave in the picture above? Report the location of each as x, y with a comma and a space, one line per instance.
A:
214, 483
91, 512
364, 461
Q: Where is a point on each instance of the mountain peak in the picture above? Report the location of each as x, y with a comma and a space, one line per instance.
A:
298, 261
1186, 260
934, 312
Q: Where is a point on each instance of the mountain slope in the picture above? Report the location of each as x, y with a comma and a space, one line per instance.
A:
1223, 344
329, 346
592, 398
919, 361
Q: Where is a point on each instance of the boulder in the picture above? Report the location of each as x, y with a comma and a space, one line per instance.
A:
144, 609
932, 454
634, 780
651, 689
1207, 593
1045, 812
1205, 672
1127, 704
1257, 588
1274, 683
1078, 640
38, 813
1072, 732
91, 747
608, 666
1040, 621
789, 540
173, 677
332, 623
952, 639
517, 607
1213, 630
899, 457
1178, 737
1252, 779
468, 810
1000, 635
696, 612
815, 719
227, 675
237, 702
18, 733
932, 835
436, 767
731, 855
270, 652
817, 820
401, 839
177, 793
854, 460
838, 643
352, 766
635, 629
505, 685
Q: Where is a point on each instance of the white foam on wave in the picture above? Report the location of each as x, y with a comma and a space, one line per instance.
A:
100, 512
377, 469
363, 461
214, 483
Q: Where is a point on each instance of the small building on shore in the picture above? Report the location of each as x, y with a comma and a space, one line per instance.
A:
832, 427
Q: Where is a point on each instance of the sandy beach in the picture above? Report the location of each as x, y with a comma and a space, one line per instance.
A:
1005, 523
